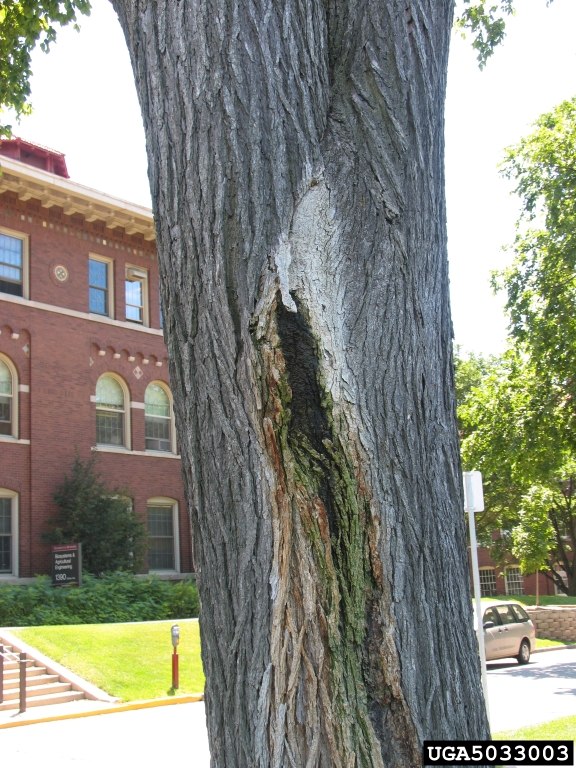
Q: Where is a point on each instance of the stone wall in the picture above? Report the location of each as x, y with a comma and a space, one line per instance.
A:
554, 622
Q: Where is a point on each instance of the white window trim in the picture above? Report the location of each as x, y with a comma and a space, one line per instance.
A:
165, 501
15, 399
5, 493
150, 454
127, 421
80, 315
109, 283
25, 260
145, 300
173, 445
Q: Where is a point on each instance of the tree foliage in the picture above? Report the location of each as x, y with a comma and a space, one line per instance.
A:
519, 426
23, 25
113, 537
512, 431
541, 283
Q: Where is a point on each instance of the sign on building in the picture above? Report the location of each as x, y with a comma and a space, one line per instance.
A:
66, 564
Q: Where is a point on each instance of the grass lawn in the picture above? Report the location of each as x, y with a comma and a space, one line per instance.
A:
541, 642
531, 599
130, 661
563, 729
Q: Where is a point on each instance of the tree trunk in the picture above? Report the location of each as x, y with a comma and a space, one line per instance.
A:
297, 173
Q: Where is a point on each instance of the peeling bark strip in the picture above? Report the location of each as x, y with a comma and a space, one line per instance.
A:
333, 673
296, 164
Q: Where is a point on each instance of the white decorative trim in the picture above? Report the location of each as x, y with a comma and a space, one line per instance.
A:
134, 404
92, 398
81, 315
23, 388
72, 197
15, 440
154, 454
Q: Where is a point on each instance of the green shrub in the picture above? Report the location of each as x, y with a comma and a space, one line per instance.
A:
113, 537
114, 598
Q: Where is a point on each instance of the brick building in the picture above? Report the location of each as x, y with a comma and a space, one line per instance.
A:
82, 359
508, 580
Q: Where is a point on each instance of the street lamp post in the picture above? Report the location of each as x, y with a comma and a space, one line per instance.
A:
474, 502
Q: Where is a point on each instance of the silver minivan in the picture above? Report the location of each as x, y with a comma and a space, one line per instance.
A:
508, 632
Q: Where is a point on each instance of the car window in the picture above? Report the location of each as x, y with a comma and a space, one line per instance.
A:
506, 614
520, 613
491, 615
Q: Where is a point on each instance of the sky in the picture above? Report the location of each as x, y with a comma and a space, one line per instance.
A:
85, 105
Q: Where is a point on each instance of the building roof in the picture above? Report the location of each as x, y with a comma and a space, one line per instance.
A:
35, 155
29, 180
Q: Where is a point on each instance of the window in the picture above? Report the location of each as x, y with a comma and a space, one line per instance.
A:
521, 614
506, 614
562, 573
163, 545
491, 615
488, 582
158, 418
136, 286
13, 263
111, 416
100, 286
8, 532
514, 581
8, 398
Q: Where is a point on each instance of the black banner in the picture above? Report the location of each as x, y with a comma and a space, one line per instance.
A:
485, 753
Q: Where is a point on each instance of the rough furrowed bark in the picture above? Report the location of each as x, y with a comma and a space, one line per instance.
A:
296, 167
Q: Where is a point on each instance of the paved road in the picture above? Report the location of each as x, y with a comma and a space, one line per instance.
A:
145, 738
542, 690
176, 735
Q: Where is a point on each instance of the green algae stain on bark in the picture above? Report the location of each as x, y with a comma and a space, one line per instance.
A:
321, 492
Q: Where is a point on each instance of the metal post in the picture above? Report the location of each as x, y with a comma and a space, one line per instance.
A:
22, 682
175, 682
477, 593
1, 674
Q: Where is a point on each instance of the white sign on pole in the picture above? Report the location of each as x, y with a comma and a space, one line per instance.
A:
474, 502
473, 492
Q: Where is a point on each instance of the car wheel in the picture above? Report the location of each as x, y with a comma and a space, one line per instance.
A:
524, 652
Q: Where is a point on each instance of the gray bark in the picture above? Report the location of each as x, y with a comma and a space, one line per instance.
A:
296, 167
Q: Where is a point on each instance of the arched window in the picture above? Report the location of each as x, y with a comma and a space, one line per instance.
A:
158, 417
8, 398
111, 416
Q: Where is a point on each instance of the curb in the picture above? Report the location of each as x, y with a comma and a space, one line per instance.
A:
112, 710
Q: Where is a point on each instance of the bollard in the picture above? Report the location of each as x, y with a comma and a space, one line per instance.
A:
22, 682
1, 674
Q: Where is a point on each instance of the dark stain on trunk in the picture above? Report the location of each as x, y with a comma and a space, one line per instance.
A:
308, 418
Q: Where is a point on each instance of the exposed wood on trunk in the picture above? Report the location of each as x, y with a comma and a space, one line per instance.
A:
296, 166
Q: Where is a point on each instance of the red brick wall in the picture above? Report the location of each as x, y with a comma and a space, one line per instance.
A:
57, 357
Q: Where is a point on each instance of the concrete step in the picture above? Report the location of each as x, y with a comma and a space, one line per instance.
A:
14, 674
54, 698
31, 681
38, 690
16, 664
